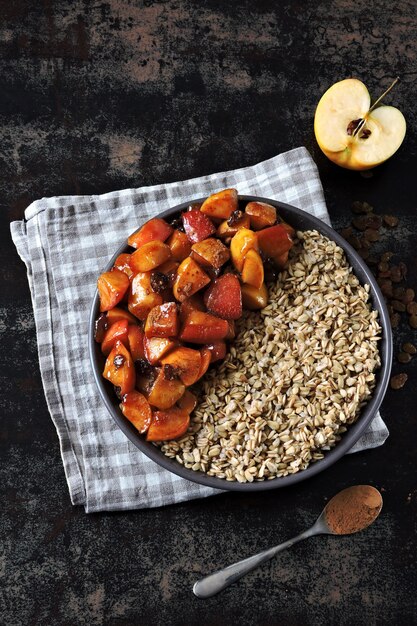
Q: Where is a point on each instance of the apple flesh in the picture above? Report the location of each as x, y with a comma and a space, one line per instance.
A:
338, 113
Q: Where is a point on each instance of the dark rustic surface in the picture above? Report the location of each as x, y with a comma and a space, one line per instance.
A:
97, 96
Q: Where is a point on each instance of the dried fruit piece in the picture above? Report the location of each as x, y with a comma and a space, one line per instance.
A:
159, 282
220, 205
261, 214
398, 381
210, 253
142, 297
396, 274
203, 328
180, 245
412, 308
164, 392
386, 287
186, 361
162, 321
168, 424
157, 347
371, 234
404, 357
412, 320
254, 299
100, 326
116, 332
149, 256
197, 226
253, 269
398, 306
224, 298
409, 348
390, 220
395, 320
229, 228
190, 279
242, 242
123, 375
408, 296
155, 229
136, 409
112, 287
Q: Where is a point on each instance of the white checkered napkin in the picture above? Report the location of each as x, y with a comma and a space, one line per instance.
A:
65, 242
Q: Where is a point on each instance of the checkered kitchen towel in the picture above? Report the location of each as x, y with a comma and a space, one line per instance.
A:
65, 242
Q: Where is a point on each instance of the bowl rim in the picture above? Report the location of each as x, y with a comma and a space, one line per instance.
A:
348, 439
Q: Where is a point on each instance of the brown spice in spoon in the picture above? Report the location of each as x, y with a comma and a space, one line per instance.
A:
353, 509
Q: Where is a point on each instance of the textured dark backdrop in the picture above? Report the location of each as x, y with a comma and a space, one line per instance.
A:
97, 96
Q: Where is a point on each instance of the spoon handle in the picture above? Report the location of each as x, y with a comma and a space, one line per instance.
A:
212, 584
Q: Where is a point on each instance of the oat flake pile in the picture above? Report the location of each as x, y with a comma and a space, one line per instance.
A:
297, 375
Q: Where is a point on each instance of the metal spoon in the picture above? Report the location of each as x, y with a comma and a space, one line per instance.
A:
364, 495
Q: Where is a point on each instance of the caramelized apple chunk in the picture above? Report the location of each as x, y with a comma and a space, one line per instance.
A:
112, 287
136, 409
168, 424
190, 279
155, 229
210, 253
162, 321
221, 205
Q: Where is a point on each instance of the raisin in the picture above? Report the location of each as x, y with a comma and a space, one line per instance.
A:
386, 287
118, 361
412, 320
390, 220
371, 234
100, 327
171, 372
359, 222
398, 381
396, 274
346, 232
412, 308
143, 366
404, 357
373, 221
387, 256
403, 269
395, 320
399, 293
235, 217
409, 348
408, 296
361, 207
398, 306
177, 224
383, 267
159, 282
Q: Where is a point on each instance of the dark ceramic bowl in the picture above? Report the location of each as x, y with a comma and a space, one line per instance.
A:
301, 221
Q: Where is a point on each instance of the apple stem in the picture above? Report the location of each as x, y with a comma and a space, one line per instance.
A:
384, 94
363, 121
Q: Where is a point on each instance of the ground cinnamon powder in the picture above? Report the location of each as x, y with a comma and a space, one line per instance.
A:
353, 509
